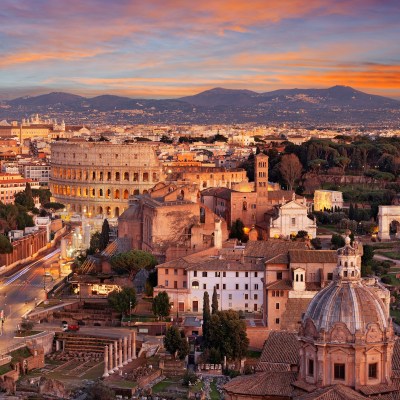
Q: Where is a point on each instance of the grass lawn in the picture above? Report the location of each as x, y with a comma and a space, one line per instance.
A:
23, 352
384, 245
161, 386
124, 384
95, 372
214, 391
394, 255
393, 280
5, 368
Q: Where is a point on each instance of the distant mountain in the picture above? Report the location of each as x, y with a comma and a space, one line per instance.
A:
222, 97
335, 105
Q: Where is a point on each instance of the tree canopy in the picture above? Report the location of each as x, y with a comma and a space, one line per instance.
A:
123, 300
132, 261
228, 325
161, 305
5, 245
176, 343
214, 304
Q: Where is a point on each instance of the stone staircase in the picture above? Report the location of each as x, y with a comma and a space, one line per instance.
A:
173, 368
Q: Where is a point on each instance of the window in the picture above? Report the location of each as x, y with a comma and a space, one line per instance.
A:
246, 287
255, 274
237, 274
277, 306
230, 305
293, 221
256, 286
246, 305
195, 273
246, 296
166, 271
279, 276
224, 274
246, 274
184, 284
223, 286
217, 274
310, 367
195, 284
373, 371
339, 371
256, 297
217, 286
330, 276
204, 274
237, 286
166, 283
277, 320
230, 297
204, 286
218, 296
175, 284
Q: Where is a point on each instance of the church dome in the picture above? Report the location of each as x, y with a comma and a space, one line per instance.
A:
352, 303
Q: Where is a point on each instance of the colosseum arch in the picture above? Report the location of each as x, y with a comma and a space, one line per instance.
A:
116, 194
126, 176
116, 212
388, 217
126, 194
108, 193
100, 210
100, 192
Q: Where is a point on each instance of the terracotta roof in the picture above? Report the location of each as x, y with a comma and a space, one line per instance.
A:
222, 193
216, 264
271, 248
336, 392
280, 259
396, 356
292, 316
313, 256
283, 284
377, 389
281, 348
184, 262
263, 384
313, 286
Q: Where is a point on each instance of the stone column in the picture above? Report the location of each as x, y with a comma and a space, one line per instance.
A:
130, 347
105, 362
125, 351
116, 355
110, 358
134, 345
120, 363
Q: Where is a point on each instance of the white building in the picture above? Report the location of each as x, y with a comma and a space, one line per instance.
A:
37, 172
327, 200
292, 218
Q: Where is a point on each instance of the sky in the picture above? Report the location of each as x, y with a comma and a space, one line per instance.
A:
173, 48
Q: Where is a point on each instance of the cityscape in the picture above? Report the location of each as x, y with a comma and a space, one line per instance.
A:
199, 201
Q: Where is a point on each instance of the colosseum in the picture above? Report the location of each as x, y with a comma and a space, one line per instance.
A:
97, 178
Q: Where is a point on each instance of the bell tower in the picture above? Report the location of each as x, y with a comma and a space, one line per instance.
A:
261, 185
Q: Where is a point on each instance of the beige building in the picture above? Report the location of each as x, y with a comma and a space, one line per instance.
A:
97, 178
327, 200
11, 184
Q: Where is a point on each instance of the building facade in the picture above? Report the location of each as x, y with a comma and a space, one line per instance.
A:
11, 184
97, 178
327, 200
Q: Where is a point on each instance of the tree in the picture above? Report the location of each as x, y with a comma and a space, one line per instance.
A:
25, 198
316, 243
301, 234
290, 168
99, 391
337, 241
368, 254
5, 246
161, 305
206, 317
176, 343
123, 301
237, 231
27, 325
214, 303
52, 205
132, 261
151, 283
228, 334
94, 243
105, 235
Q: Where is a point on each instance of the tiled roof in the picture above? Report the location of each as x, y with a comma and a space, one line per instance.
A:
313, 286
281, 348
313, 256
263, 384
222, 193
271, 248
280, 285
396, 356
291, 317
184, 262
280, 259
377, 389
336, 392
216, 264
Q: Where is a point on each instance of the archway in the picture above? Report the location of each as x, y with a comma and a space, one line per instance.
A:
389, 218
116, 213
126, 194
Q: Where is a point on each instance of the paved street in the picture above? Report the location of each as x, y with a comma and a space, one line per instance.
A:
19, 293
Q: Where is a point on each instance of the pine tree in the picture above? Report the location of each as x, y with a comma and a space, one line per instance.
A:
206, 317
105, 235
214, 304
351, 212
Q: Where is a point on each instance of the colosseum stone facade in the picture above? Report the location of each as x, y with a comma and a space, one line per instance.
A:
97, 178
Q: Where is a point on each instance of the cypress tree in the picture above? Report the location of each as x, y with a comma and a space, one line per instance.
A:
206, 317
105, 235
214, 303
351, 211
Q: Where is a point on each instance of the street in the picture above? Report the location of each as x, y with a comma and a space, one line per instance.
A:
21, 291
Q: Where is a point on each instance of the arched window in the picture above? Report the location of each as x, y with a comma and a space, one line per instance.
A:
126, 194
109, 176
100, 192
345, 264
117, 176
116, 194
301, 277
93, 175
297, 277
116, 213
145, 176
195, 284
126, 176
108, 193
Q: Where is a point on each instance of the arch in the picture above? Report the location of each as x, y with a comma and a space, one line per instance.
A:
108, 210
108, 193
116, 212
195, 284
116, 194
126, 176
109, 175
117, 176
136, 191
100, 210
145, 176
145, 191
126, 194
387, 215
101, 193
93, 175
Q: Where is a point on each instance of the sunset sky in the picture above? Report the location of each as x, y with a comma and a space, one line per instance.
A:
172, 48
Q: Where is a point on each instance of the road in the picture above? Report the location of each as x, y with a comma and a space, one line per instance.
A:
19, 293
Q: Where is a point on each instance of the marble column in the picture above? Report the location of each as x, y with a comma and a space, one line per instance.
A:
130, 347
120, 362
125, 351
105, 362
116, 355
134, 345
110, 358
